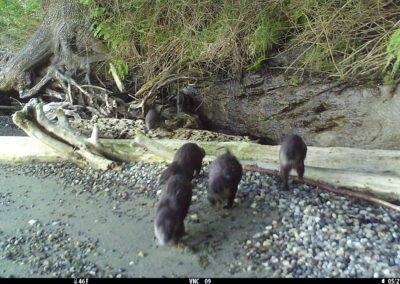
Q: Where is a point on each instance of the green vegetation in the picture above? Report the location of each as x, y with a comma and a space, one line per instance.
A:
393, 57
206, 38
19, 19
343, 39
346, 39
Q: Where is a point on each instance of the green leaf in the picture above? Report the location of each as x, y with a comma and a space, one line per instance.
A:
97, 12
86, 2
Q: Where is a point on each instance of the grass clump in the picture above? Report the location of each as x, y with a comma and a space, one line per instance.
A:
346, 39
393, 57
341, 39
206, 38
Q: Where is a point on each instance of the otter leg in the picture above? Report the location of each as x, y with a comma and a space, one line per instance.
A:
300, 170
231, 198
284, 173
180, 232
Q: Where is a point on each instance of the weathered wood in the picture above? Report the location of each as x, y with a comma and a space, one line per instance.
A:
337, 158
377, 175
73, 146
336, 114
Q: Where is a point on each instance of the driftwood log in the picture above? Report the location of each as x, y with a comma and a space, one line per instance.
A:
376, 172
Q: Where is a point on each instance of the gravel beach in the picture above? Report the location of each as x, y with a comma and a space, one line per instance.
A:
61, 221
57, 220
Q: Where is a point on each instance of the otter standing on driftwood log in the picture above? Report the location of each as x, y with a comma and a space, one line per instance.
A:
172, 209
225, 175
291, 155
187, 161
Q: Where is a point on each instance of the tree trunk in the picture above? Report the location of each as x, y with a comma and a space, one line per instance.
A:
324, 114
57, 59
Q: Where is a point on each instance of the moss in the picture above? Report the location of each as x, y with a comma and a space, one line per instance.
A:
294, 81
257, 64
262, 119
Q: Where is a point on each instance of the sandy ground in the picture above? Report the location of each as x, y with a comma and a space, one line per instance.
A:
124, 233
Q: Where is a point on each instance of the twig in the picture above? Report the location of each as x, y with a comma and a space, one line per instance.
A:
96, 87
10, 108
117, 80
329, 188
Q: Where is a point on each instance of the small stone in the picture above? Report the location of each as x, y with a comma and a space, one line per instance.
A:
194, 217
267, 244
286, 263
249, 242
32, 222
386, 272
253, 205
265, 264
141, 254
258, 235
131, 263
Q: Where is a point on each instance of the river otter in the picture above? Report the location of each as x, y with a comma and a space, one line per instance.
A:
291, 155
152, 119
187, 161
225, 174
172, 209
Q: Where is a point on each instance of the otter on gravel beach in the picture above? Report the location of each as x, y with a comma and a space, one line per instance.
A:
291, 155
152, 119
225, 175
187, 161
172, 209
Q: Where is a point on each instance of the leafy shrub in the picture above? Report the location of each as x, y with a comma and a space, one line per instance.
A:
19, 19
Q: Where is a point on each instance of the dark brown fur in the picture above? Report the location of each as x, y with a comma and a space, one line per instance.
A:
225, 175
172, 209
187, 161
291, 155
152, 119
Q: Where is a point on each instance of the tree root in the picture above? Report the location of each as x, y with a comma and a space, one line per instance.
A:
329, 188
72, 145
148, 91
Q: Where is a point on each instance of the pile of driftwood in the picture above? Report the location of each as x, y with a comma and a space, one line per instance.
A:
375, 172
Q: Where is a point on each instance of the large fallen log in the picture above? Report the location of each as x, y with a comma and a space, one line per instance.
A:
373, 171
376, 172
